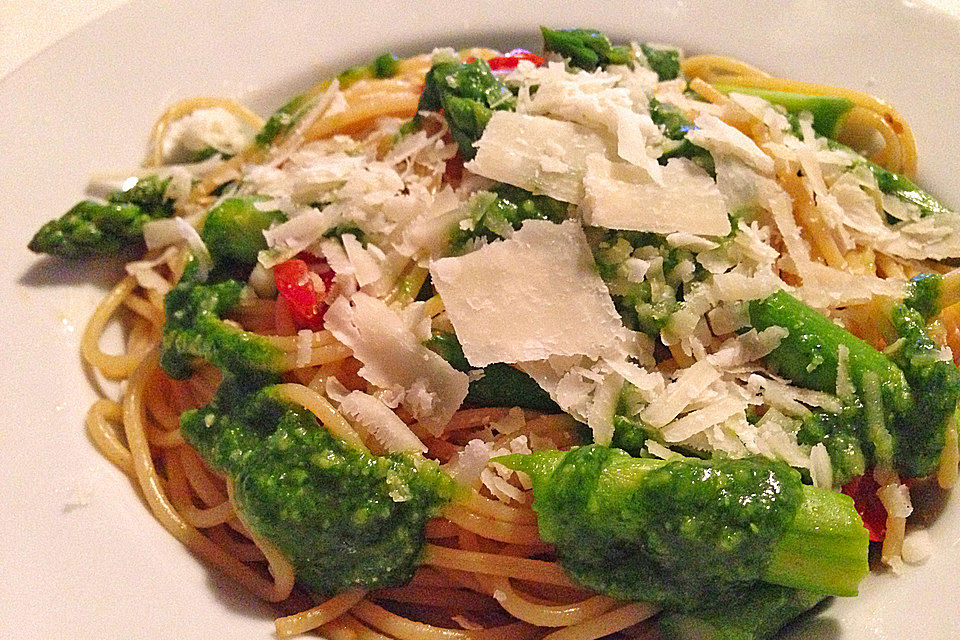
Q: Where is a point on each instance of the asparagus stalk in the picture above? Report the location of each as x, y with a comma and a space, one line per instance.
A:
907, 394
822, 548
828, 111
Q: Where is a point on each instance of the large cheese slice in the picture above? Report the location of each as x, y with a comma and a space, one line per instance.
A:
536, 153
621, 196
535, 295
390, 346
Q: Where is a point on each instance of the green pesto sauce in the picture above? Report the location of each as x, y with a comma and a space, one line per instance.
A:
844, 436
925, 294
647, 305
195, 329
497, 213
468, 93
93, 228
343, 517
919, 434
809, 354
629, 434
753, 614
905, 397
677, 533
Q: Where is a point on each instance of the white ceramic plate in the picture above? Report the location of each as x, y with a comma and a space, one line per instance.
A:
80, 556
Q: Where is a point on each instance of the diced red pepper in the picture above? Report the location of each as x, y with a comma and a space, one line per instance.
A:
510, 60
297, 286
863, 490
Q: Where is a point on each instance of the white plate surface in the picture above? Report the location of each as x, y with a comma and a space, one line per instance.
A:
80, 557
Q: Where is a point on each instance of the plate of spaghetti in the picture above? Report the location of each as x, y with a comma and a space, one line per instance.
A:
561, 333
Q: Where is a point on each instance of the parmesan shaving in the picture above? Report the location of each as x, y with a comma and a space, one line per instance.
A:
465, 468
618, 196
720, 139
537, 154
678, 394
701, 419
821, 469
147, 277
380, 422
539, 288
660, 451
395, 359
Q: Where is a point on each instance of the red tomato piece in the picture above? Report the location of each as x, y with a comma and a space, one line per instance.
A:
512, 59
297, 286
863, 490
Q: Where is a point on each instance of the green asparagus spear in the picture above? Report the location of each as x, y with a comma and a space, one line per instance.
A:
468, 93
905, 398
93, 228
686, 532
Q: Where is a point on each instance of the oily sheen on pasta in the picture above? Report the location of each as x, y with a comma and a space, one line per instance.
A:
505, 346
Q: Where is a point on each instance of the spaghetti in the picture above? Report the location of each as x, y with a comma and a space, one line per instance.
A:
485, 574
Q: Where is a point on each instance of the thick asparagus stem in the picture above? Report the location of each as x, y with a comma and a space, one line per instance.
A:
823, 548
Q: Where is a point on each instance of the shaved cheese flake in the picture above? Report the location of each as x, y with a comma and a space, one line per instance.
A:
366, 261
756, 106
380, 422
896, 499
336, 256
702, 419
748, 347
535, 295
197, 247
821, 469
720, 139
428, 234
621, 196
147, 277
660, 451
600, 419
737, 287
202, 129
686, 240
293, 236
679, 393
528, 151
632, 147
465, 468
499, 487
783, 444
636, 375
395, 359
787, 397
845, 387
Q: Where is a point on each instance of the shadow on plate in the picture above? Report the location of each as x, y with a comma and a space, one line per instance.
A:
102, 272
